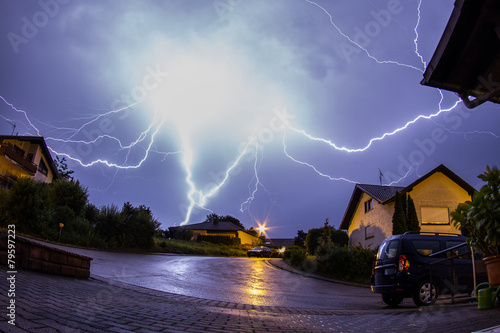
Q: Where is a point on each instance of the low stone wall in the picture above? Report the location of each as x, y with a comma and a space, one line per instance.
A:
39, 257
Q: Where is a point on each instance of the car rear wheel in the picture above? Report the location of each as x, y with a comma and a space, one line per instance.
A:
425, 294
392, 299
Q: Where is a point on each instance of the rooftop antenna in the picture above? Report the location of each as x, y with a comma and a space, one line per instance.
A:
380, 177
13, 126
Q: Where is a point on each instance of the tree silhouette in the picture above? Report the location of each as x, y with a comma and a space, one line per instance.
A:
399, 217
411, 216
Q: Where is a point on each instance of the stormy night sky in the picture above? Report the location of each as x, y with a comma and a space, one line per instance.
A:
264, 110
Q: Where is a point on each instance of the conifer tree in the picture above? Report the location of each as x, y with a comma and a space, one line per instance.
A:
399, 217
411, 216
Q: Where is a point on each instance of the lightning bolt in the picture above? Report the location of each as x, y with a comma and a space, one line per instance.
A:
379, 138
309, 136
198, 198
257, 184
21, 111
312, 166
368, 54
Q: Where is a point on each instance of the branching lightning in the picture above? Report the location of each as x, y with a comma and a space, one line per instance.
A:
368, 54
198, 198
256, 183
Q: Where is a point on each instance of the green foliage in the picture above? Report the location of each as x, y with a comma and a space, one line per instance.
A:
38, 209
325, 245
194, 248
339, 237
23, 205
399, 217
295, 255
411, 217
180, 233
312, 240
352, 264
62, 169
214, 218
225, 240
480, 218
67, 193
300, 239
129, 228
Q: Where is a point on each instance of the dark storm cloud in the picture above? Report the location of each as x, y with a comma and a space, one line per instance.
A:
225, 67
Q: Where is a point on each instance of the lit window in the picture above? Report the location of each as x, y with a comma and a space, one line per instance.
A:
435, 215
368, 205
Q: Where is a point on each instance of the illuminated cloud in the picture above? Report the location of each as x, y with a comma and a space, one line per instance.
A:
263, 109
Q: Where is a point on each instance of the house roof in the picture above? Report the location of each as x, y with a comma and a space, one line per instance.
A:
211, 226
219, 226
384, 194
448, 173
280, 242
39, 140
467, 58
380, 193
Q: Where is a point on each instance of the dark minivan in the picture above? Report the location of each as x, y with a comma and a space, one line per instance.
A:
402, 268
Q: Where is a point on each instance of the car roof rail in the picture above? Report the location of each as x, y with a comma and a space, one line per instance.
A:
431, 233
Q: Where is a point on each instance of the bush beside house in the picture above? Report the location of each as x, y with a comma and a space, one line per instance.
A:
40, 209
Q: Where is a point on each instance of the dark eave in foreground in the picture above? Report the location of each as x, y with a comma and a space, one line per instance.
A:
467, 58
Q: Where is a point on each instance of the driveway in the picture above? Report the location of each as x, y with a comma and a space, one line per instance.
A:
242, 280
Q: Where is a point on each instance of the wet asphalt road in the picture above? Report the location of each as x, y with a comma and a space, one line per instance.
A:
242, 280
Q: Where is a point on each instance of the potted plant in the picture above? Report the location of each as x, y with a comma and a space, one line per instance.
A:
480, 221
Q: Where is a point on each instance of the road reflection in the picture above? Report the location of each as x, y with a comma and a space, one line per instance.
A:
255, 291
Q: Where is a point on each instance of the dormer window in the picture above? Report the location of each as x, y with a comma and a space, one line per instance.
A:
368, 205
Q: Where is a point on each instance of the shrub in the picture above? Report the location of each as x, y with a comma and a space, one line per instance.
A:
180, 233
225, 240
295, 255
313, 238
353, 264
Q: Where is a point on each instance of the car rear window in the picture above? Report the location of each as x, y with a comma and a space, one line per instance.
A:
388, 250
425, 247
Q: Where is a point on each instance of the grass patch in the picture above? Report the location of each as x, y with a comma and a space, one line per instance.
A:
202, 248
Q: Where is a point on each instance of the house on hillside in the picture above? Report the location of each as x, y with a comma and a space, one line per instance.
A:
223, 228
25, 156
368, 217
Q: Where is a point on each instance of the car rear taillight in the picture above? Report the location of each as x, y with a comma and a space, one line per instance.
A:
404, 264
373, 267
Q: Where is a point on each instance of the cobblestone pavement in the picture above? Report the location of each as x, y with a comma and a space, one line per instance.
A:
48, 303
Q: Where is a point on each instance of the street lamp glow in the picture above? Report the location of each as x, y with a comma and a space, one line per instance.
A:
262, 228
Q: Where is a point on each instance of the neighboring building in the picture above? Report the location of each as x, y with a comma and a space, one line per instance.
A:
223, 228
368, 217
25, 156
280, 242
